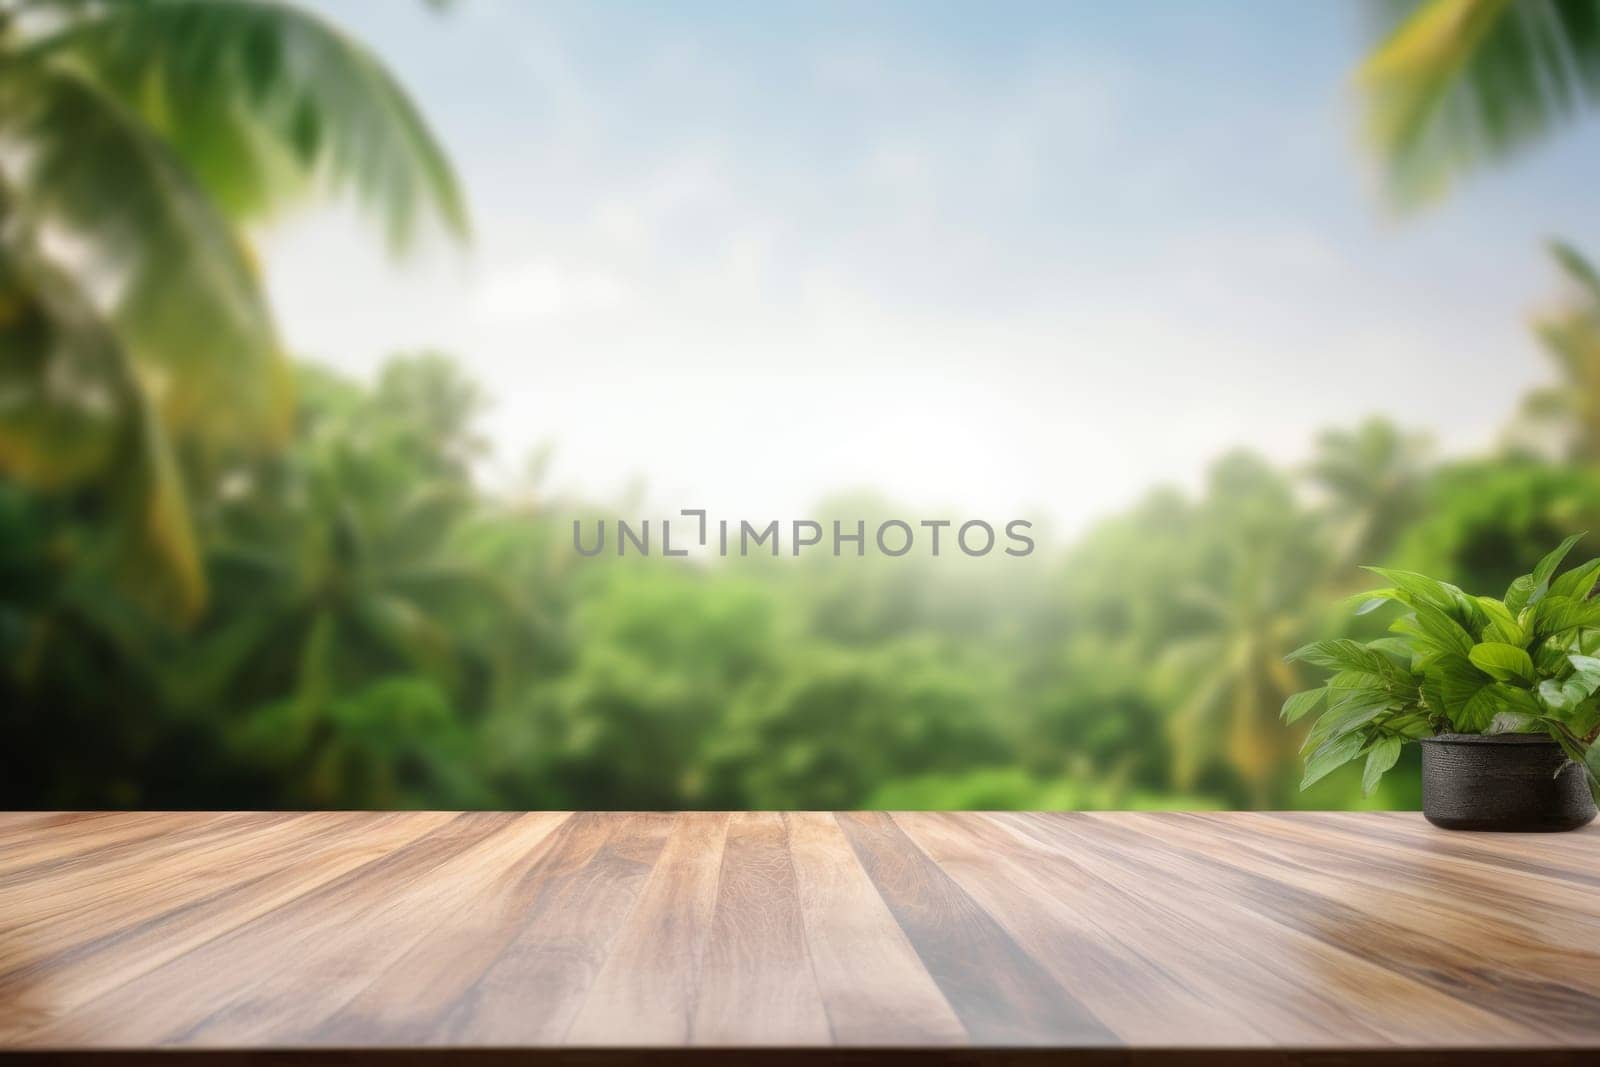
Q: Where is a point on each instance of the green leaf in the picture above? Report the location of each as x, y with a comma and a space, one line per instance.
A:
1547, 566
1343, 654
1380, 758
1418, 589
1424, 649
1556, 694
1300, 703
1584, 720
1492, 701
1567, 693
1433, 693
1357, 680
1550, 658
1392, 646
1370, 602
1340, 699
1458, 682
1518, 699
1501, 661
1443, 631
1577, 583
1503, 626
1334, 754
1558, 614
1584, 663
1479, 710
1519, 593
1345, 717
1576, 751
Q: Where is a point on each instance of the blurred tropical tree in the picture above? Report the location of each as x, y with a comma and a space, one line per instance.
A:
1374, 477
835, 723
338, 571
1565, 417
1456, 84
1260, 563
383, 630
1484, 519
656, 655
1094, 717
138, 137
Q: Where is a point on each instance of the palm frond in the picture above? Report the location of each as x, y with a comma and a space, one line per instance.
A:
73, 414
63, 376
157, 527
1576, 266
260, 97
182, 293
1549, 403
1461, 83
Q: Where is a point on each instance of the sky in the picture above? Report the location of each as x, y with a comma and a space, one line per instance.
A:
990, 260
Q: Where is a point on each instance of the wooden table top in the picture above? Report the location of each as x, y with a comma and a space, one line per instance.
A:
1125, 937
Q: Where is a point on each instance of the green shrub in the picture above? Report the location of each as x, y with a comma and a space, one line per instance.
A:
1456, 663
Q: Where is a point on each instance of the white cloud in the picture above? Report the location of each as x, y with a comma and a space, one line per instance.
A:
751, 272
542, 289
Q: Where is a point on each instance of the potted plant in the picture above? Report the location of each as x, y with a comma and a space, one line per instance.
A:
1503, 694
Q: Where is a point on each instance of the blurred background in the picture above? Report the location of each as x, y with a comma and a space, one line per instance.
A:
321, 322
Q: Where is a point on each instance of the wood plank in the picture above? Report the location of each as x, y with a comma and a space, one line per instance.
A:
1094, 936
190, 866
1538, 978
369, 988
1315, 992
756, 983
1474, 879
1576, 859
1282, 938
522, 981
645, 992
55, 970
392, 983
87, 839
165, 981
874, 987
17, 824
1001, 993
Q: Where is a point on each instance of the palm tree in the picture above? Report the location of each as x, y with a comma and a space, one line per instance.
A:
137, 139
1234, 677
1567, 414
339, 568
1261, 560
1374, 477
1459, 83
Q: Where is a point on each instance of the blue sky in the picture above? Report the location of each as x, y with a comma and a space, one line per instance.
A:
999, 259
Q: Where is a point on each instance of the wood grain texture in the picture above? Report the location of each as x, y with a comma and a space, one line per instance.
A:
595, 938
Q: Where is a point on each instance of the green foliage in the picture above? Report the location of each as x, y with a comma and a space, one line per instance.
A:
228, 582
1013, 789
1460, 83
144, 132
1459, 664
1482, 516
1374, 477
1564, 417
384, 632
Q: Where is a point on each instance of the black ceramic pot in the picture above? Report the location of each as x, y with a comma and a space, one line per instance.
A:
1507, 782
